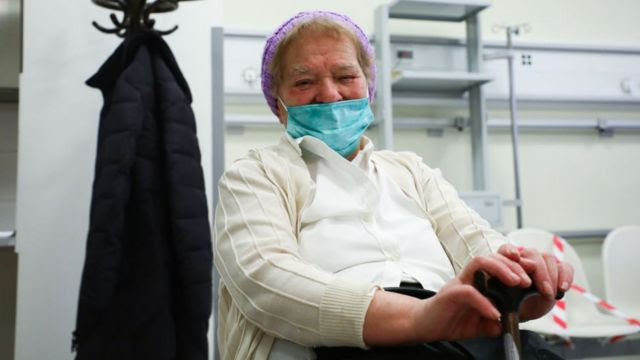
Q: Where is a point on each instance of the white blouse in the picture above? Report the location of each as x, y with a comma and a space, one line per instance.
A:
269, 292
360, 225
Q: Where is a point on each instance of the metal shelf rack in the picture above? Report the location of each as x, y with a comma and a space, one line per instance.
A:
436, 10
437, 81
390, 79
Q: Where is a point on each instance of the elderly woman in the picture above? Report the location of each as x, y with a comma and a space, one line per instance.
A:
310, 232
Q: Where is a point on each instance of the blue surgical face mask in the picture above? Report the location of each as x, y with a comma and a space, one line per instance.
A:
339, 124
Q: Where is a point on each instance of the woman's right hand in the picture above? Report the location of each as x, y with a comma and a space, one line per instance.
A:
457, 311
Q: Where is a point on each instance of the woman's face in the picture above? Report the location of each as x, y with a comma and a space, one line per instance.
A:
320, 68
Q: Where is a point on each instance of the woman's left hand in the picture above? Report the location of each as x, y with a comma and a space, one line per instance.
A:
548, 274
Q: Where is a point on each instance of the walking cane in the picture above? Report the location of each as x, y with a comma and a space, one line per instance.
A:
507, 300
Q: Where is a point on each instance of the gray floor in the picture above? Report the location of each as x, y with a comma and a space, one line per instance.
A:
594, 349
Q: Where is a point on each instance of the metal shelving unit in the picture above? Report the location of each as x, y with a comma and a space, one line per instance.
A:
217, 156
437, 81
436, 10
429, 81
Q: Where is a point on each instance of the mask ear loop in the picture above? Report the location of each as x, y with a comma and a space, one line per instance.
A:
283, 105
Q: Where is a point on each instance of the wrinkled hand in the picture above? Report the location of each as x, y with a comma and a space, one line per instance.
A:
549, 276
459, 311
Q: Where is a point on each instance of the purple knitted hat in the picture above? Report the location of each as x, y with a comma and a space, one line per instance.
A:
273, 42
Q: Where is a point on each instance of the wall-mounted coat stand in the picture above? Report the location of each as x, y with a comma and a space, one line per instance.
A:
143, 74
136, 15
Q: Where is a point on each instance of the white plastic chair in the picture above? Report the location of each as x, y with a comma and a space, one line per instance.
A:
583, 318
621, 268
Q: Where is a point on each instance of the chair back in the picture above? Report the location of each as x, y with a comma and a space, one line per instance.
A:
621, 268
583, 318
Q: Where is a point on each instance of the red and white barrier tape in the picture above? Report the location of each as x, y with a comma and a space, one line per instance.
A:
610, 309
558, 247
559, 313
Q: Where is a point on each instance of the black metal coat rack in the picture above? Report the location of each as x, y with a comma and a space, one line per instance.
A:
136, 15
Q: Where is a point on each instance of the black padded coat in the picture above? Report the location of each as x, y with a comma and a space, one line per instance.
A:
146, 285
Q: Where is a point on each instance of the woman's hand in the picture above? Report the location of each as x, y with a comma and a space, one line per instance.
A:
548, 274
457, 311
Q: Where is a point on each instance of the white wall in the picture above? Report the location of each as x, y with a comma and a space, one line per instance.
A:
552, 21
57, 143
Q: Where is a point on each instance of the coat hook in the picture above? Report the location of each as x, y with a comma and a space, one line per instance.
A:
136, 15
162, 5
120, 26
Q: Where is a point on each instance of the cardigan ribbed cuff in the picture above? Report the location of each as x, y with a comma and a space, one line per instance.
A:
342, 311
